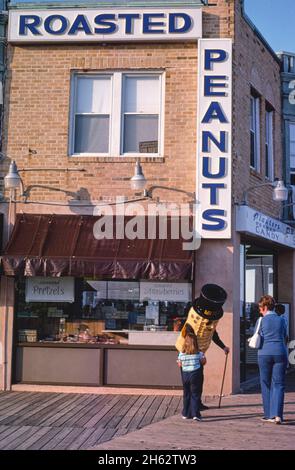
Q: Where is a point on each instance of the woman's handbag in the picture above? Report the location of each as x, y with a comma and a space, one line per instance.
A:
255, 340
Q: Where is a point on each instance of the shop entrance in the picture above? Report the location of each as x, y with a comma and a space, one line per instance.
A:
258, 277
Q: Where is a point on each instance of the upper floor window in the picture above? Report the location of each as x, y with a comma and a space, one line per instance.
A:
269, 155
116, 114
292, 145
255, 132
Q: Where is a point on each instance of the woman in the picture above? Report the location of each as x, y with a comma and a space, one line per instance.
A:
272, 360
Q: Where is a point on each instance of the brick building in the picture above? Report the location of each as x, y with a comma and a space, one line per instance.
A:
80, 110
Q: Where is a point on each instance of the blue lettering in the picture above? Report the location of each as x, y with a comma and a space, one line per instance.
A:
214, 112
129, 23
207, 172
80, 24
107, 22
209, 83
148, 23
29, 23
210, 57
50, 19
172, 23
213, 191
212, 215
220, 144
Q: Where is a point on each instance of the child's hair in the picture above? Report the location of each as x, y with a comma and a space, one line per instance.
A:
190, 344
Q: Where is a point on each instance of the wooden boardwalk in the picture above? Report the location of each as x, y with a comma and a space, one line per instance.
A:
37, 421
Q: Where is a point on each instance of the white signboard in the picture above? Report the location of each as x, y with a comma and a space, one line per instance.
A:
123, 290
164, 291
105, 25
214, 154
50, 289
250, 221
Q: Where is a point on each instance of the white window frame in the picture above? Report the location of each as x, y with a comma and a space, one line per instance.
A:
269, 134
117, 115
255, 105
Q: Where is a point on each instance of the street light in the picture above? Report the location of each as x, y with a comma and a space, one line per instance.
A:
280, 191
138, 181
13, 180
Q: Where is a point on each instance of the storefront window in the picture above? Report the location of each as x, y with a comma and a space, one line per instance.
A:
257, 279
96, 311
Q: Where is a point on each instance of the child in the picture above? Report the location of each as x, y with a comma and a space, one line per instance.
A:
190, 360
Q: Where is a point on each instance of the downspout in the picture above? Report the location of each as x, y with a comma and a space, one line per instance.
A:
3, 42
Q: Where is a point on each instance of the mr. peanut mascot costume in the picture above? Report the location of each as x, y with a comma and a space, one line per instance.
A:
204, 316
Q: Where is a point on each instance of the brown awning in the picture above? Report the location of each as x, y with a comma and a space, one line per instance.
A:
64, 245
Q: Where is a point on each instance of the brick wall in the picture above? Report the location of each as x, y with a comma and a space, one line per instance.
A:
254, 66
37, 112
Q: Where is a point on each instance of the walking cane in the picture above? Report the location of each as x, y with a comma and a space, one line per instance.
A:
226, 357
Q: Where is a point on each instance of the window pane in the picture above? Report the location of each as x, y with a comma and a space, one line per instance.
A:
140, 134
142, 95
292, 131
292, 161
292, 148
93, 95
252, 150
92, 134
252, 115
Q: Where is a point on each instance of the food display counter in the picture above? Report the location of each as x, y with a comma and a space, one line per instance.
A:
97, 364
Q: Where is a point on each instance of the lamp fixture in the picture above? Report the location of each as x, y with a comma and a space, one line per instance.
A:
138, 181
13, 180
280, 191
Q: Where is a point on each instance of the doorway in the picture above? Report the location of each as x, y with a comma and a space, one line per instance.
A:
258, 278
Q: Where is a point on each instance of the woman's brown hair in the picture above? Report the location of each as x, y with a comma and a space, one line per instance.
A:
190, 344
267, 301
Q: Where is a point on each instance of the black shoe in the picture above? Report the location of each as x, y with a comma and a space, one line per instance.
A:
203, 407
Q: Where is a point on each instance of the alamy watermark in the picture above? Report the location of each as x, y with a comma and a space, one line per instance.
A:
152, 221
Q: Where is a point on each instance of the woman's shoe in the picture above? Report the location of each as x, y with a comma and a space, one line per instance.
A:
197, 418
267, 420
278, 420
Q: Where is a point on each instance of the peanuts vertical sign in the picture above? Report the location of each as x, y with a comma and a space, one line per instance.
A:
214, 149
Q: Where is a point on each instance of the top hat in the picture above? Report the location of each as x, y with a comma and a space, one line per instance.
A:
212, 297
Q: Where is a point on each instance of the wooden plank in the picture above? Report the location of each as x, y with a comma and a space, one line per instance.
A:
13, 409
69, 404
104, 420
72, 410
80, 439
29, 431
68, 440
33, 415
91, 411
57, 438
134, 423
93, 439
160, 413
9, 430
47, 410
11, 397
98, 416
130, 414
174, 407
40, 443
88, 405
148, 418
40, 432
118, 417
9, 440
